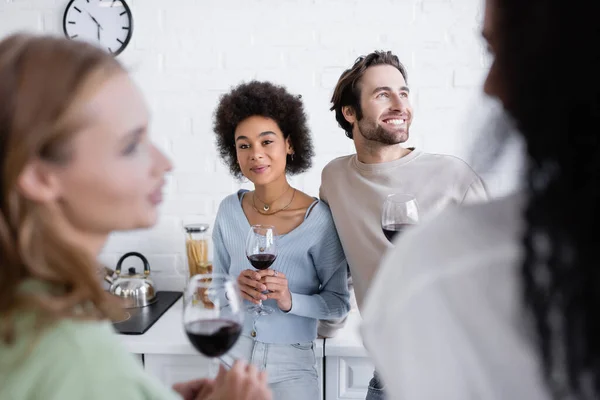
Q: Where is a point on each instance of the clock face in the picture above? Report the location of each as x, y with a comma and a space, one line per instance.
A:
105, 23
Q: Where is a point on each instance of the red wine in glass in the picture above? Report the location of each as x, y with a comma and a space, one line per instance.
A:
399, 212
392, 230
261, 251
213, 315
262, 261
213, 337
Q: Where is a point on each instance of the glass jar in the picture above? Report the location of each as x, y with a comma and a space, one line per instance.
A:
198, 249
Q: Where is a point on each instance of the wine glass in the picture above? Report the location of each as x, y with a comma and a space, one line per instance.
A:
400, 211
261, 250
213, 315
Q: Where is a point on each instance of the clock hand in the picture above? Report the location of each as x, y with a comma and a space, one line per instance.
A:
94, 19
97, 24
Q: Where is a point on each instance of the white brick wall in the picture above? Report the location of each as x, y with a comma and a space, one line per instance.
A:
185, 53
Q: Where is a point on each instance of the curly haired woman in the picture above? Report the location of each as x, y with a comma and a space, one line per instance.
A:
262, 135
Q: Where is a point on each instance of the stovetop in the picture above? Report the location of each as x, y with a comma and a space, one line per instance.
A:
137, 321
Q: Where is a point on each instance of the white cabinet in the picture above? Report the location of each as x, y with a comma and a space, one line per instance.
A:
348, 370
347, 377
321, 372
170, 369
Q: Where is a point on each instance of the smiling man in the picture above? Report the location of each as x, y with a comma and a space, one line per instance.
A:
371, 103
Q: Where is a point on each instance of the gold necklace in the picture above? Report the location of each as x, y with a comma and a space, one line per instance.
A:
275, 212
267, 207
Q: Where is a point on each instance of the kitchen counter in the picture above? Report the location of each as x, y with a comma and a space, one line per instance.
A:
348, 341
167, 336
343, 367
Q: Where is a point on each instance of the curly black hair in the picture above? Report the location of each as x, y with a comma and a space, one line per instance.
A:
557, 108
267, 100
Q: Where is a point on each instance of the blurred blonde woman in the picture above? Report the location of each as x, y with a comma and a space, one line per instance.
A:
76, 163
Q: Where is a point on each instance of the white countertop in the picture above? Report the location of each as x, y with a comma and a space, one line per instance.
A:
167, 336
347, 342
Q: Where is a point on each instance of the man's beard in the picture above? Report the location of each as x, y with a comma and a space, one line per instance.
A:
370, 130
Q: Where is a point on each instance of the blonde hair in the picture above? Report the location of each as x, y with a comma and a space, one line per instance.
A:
41, 77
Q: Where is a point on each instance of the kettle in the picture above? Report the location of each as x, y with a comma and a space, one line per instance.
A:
137, 290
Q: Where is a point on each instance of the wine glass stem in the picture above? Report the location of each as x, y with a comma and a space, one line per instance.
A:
216, 362
213, 367
260, 302
225, 363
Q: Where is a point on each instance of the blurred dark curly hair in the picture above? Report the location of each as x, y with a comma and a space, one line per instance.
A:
267, 100
560, 274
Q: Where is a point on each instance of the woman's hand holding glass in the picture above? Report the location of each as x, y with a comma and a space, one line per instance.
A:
277, 286
253, 283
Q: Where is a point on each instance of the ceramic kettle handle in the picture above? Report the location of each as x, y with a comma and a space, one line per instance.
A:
134, 254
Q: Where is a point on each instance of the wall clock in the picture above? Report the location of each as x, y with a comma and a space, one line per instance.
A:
105, 23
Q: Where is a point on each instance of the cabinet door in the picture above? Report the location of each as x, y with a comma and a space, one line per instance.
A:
321, 373
347, 377
171, 369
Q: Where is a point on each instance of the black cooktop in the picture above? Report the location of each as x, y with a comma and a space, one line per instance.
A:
138, 320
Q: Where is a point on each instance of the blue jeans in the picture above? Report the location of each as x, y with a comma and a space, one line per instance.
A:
375, 391
291, 368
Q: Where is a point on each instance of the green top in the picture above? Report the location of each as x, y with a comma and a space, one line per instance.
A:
73, 360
